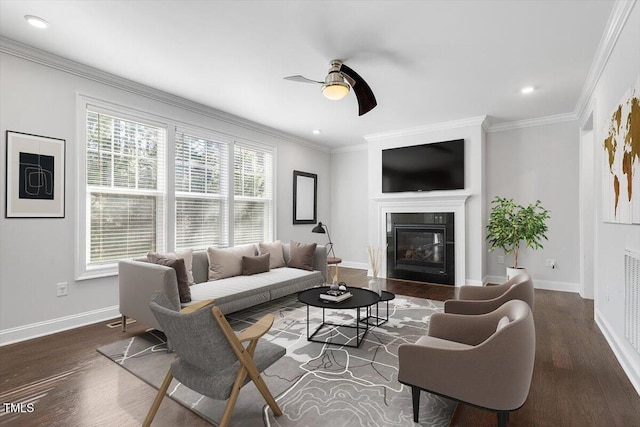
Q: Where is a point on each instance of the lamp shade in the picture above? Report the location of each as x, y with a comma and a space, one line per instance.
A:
318, 229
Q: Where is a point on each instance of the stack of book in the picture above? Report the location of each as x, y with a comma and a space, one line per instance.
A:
335, 296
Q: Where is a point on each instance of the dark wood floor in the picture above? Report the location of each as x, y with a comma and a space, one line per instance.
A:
577, 380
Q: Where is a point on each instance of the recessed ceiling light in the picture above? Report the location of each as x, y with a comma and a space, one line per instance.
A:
527, 89
36, 21
316, 131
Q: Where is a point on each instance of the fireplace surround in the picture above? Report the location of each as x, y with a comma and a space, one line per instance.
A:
428, 202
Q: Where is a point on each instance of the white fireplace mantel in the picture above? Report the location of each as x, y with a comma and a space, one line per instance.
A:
425, 203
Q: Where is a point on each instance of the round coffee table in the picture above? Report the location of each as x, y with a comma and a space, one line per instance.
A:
361, 298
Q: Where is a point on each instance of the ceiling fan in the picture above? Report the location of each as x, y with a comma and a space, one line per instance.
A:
335, 87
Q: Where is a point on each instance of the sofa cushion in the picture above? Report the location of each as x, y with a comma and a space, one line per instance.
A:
227, 262
255, 264
238, 287
301, 255
276, 252
184, 291
186, 255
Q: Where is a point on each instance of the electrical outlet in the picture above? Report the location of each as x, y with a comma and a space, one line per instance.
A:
551, 262
62, 288
500, 259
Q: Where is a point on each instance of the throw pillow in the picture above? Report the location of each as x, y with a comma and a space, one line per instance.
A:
178, 265
227, 262
186, 255
276, 252
504, 321
255, 264
301, 255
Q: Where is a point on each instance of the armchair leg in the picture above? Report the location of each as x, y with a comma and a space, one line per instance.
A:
268, 397
124, 323
415, 398
158, 399
503, 418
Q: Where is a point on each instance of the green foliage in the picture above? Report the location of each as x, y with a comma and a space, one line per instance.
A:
510, 224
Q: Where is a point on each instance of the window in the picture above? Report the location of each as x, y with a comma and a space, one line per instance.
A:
134, 198
201, 185
253, 194
125, 188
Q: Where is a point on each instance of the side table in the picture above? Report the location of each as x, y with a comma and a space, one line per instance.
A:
377, 320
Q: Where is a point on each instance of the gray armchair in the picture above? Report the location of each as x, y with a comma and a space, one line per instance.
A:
482, 360
211, 358
485, 299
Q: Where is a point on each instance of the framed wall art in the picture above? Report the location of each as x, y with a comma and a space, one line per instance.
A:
35, 181
305, 197
621, 160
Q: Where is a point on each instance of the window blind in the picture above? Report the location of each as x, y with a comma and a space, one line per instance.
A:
201, 177
253, 194
125, 187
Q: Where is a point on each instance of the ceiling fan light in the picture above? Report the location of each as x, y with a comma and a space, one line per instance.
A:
335, 90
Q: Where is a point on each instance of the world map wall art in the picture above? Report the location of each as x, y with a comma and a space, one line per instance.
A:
621, 168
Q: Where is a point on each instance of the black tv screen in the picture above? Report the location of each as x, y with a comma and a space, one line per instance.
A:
426, 167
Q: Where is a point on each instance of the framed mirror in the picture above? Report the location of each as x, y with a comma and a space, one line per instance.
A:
305, 197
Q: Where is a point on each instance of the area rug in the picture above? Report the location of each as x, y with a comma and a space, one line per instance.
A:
314, 384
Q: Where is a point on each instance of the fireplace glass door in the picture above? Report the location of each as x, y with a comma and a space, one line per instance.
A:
420, 248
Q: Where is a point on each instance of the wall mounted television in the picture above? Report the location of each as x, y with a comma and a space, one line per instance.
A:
426, 167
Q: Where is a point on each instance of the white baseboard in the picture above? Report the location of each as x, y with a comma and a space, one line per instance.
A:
548, 285
48, 327
358, 265
630, 366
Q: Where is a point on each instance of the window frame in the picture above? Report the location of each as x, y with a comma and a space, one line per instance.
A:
258, 146
216, 137
168, 210
84, 190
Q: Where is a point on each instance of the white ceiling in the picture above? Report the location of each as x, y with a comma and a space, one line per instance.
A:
426, 61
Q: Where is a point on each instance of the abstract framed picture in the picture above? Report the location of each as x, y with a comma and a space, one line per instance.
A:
35, 176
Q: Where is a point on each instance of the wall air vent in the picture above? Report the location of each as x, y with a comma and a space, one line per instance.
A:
632, 298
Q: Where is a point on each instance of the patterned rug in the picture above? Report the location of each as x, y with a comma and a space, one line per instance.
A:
314, 384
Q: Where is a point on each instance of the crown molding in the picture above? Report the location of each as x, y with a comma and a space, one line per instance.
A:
29, 53
538, 121
453, 124
350, 148
615, 25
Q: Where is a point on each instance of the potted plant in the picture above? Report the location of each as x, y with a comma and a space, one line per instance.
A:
510, 224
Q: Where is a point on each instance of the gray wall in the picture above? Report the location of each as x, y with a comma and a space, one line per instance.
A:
349, 201
36, 254
532, 163
621, 72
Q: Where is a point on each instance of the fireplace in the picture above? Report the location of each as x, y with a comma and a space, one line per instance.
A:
420, 246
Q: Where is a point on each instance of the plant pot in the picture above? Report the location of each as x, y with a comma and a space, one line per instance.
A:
514, 271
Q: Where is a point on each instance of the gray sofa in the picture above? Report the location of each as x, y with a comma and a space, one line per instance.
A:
138, 280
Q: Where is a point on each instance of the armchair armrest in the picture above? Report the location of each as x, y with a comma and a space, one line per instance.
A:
482, 292
258, 329
472, 307
197, 306
470, 330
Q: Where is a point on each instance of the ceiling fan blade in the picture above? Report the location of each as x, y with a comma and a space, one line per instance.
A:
301, 79
364, 94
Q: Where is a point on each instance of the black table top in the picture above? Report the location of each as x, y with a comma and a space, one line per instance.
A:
387, 296
360, 298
